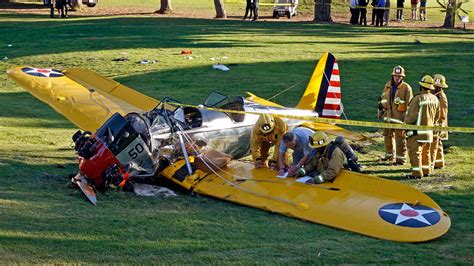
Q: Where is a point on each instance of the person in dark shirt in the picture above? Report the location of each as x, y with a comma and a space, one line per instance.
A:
363, 12
400, 6
353, 5
61, 6
380, 13
248, 9
255, 9
374, 4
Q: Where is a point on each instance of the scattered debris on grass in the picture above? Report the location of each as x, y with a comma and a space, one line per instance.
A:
448, 187
217, 58
373, 135
221, 67
146, 190
120, 59
145, 61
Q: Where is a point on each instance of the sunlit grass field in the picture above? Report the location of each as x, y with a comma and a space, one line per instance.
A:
41, 221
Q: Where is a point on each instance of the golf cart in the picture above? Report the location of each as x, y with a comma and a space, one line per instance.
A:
285, 8
90, 3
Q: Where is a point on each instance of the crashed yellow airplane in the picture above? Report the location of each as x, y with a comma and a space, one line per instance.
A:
198, 148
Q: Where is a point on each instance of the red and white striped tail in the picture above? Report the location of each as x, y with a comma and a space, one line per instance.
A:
332, 104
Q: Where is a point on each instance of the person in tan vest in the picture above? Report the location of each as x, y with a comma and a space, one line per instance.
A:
422, 111
436, 151
266, 133
326, 162
394, 101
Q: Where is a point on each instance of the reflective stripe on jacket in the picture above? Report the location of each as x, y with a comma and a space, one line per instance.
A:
423, 111
328, 167
395, 110
273, 138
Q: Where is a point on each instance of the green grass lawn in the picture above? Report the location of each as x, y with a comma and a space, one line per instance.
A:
41, 221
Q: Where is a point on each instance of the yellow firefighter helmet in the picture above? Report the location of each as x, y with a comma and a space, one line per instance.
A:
319, 139
440, 81
266, 123
398, 71
427, 82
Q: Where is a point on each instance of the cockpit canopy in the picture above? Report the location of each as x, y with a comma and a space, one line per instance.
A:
218, 100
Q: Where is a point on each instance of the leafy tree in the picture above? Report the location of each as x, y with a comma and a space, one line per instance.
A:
453, 9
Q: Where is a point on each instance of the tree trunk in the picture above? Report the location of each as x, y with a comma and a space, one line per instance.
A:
220, 11
165, 7
75, 4
322, 11
450, 14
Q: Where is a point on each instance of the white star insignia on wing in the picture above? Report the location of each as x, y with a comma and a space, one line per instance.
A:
416, 214
43, 72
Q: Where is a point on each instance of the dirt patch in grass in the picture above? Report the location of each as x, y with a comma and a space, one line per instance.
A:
304, 16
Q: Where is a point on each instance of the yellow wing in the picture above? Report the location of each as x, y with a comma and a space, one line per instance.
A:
355, 202
83, 97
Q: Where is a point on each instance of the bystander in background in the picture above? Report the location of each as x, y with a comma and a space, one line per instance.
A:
414, 8
400, 6
363, 12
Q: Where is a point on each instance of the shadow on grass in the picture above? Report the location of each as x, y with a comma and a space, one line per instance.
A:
22, 105
103, 33
16, 5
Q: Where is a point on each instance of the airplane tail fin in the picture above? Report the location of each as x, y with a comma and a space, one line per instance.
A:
323, 93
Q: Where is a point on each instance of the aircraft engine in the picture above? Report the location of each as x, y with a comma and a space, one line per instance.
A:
112, 153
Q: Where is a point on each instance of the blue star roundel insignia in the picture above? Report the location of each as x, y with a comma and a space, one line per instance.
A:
42, 72
409, 215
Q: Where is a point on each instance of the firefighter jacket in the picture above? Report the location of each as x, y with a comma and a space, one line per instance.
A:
395, 106
422, 111
443, 113
327, 163
258, 140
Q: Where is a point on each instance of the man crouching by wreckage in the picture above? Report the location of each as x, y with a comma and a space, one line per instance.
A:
266, 133
327, 159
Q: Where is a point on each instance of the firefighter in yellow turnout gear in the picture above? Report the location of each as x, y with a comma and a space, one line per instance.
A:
394, 102
327, 161
266, 133
423, 111
436, 151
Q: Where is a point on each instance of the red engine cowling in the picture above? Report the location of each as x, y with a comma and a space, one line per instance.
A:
97, 167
